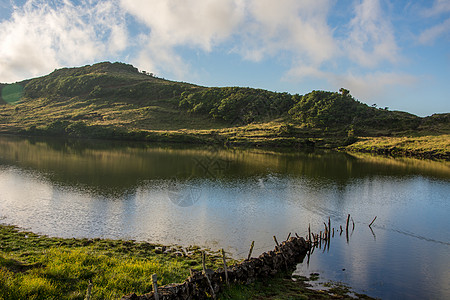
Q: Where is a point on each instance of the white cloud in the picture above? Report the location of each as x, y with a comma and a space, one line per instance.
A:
439, 7
372, 85
301, 28
303, 71
369, 43
371, 38
192, 23
39, 38
256, 29
431, 34
297, 27
187, 22
160, 58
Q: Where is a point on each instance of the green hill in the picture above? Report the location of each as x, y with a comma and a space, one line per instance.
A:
116, 101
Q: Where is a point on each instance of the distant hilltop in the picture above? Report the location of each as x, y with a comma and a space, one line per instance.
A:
116, 100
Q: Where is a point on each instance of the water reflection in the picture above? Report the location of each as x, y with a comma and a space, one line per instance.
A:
228, 198
391, 266
116, 167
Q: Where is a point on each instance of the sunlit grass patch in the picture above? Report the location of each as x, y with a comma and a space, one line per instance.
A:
30, 285
68, 272
41, 267
111, 276
435, 144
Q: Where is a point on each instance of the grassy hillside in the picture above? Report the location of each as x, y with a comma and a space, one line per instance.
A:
116, 101
105, 94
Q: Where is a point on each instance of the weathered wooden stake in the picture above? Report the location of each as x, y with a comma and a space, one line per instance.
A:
348, 221
88, 292
206, 274
251, 250
225, 267
329, 227
155, 286
289, 235
281, 251
204, 261
309, 231
346, 228
276, 242
370, 225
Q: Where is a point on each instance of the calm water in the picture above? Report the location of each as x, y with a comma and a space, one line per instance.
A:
228, 198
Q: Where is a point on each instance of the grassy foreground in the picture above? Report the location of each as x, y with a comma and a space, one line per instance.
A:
40, 267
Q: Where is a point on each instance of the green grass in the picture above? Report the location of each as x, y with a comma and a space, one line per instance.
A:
40, 267
437, 146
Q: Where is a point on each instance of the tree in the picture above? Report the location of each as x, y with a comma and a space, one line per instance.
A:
344, 92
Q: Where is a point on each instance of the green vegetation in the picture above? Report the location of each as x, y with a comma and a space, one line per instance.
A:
11, 93
116, 101
41, 267
326, 109
425, 146
237, 106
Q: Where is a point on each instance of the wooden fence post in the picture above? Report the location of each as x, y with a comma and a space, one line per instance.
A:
225, 267
89, 290
155, 286
206, 275
251, 250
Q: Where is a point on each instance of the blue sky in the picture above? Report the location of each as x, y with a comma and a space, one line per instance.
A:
394, 54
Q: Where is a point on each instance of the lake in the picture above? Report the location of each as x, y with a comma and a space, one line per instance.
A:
221, 198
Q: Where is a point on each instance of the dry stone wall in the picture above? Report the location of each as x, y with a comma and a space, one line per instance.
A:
283, 258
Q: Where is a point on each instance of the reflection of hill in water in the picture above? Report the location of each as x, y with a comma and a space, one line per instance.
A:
116, 167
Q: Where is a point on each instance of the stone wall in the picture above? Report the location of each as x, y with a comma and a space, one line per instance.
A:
283, 258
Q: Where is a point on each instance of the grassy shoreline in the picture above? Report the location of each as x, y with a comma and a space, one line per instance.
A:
273, 135
40, 267
428, 147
